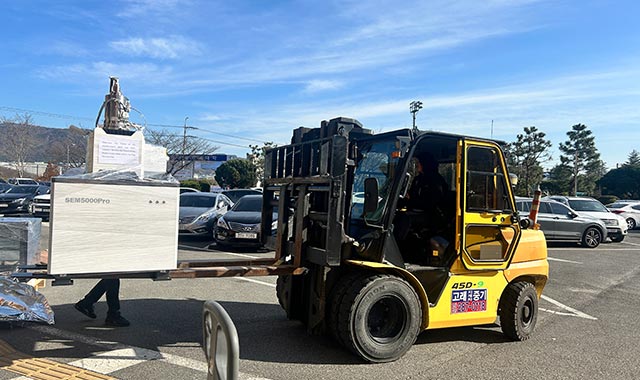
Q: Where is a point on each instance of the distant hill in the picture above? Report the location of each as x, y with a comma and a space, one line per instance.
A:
49, 144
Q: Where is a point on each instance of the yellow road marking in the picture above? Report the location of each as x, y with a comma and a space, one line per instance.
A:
42, 369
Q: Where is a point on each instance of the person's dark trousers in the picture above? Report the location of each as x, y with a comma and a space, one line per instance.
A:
110, 286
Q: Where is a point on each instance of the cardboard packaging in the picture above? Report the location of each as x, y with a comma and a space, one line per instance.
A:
111, 226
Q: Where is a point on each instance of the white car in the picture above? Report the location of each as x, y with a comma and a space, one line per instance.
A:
616, 225
22, 181
630, 211
41, 206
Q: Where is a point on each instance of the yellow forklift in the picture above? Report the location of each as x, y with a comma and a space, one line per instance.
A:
378, 272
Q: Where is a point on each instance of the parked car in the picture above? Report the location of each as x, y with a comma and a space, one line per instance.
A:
22, 181
4, 187
18, 198
630, 211
199, 211
616, 225
41, 206
560, 223
236, 194
240, 226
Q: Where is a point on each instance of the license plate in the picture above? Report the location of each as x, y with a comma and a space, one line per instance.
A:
4, 205
246, 235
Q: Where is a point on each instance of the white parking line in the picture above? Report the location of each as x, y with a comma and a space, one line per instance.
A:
255, 281
563, 260
626, 242
572, 312
119, 356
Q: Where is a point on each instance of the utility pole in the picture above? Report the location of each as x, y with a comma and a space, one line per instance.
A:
414, 107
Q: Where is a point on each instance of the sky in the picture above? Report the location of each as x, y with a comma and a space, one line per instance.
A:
248, 72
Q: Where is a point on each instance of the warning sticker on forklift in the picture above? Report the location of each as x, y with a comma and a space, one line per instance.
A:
466, 301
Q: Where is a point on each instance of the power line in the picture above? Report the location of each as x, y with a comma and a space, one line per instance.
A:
71, 117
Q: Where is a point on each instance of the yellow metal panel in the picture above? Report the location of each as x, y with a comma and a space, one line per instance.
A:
462, 304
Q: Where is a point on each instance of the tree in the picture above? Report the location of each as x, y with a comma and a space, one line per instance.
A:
236, 173
633, 159
558, 181
582, 157
72, 151
179, 148
20, 140
257, 157
623, 182
524, 159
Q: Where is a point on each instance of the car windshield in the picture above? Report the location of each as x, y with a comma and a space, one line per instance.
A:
250, 204
197, 201
23, 189
235, 195
587, 205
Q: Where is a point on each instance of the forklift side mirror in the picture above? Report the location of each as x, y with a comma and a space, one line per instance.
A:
514, 179
370, 195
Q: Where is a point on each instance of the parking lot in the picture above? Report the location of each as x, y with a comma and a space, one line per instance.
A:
586, 328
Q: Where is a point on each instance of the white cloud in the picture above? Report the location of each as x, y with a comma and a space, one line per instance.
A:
139, 72
172, 47
136, 8
314, 86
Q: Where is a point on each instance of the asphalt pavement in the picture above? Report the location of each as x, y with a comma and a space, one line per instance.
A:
586, 328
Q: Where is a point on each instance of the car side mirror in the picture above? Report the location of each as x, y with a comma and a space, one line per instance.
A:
572, 215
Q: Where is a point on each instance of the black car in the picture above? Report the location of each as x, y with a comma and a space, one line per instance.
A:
240, 226
19, 197
236, 194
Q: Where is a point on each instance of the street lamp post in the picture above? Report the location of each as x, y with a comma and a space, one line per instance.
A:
414, 107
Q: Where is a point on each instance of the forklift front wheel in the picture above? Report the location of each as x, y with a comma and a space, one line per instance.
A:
519, 310
379, 317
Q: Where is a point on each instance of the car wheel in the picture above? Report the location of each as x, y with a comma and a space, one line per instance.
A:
631, 224
617, 238
518, 310
591, 237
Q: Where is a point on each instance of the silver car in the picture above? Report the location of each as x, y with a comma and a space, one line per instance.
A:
199, 211
560, 223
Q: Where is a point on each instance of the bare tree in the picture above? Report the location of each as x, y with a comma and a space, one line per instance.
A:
179, 148
72, 151
20, 140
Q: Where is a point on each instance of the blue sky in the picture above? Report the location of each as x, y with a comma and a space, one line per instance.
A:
250, 71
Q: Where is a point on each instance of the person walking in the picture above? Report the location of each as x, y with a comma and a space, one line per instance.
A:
110, 287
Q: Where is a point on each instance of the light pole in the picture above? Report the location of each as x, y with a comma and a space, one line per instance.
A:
414, 107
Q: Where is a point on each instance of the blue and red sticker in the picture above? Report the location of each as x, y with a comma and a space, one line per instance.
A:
468, 301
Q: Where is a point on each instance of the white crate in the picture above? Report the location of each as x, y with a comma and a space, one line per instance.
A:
99, 226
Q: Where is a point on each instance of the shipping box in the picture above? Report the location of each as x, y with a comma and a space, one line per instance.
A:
111, 226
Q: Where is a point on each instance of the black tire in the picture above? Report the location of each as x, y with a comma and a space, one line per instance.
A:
617, 238
379, 318
282, 286
592, 237
339, 290
631, 224
518, 310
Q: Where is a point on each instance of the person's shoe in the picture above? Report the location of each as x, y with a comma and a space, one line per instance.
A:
116, 321
85, 309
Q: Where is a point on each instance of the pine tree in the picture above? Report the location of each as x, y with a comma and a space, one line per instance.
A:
582, 158
525, 156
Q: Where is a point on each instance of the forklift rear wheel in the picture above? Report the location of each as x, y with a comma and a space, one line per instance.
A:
379, 317
519, 310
